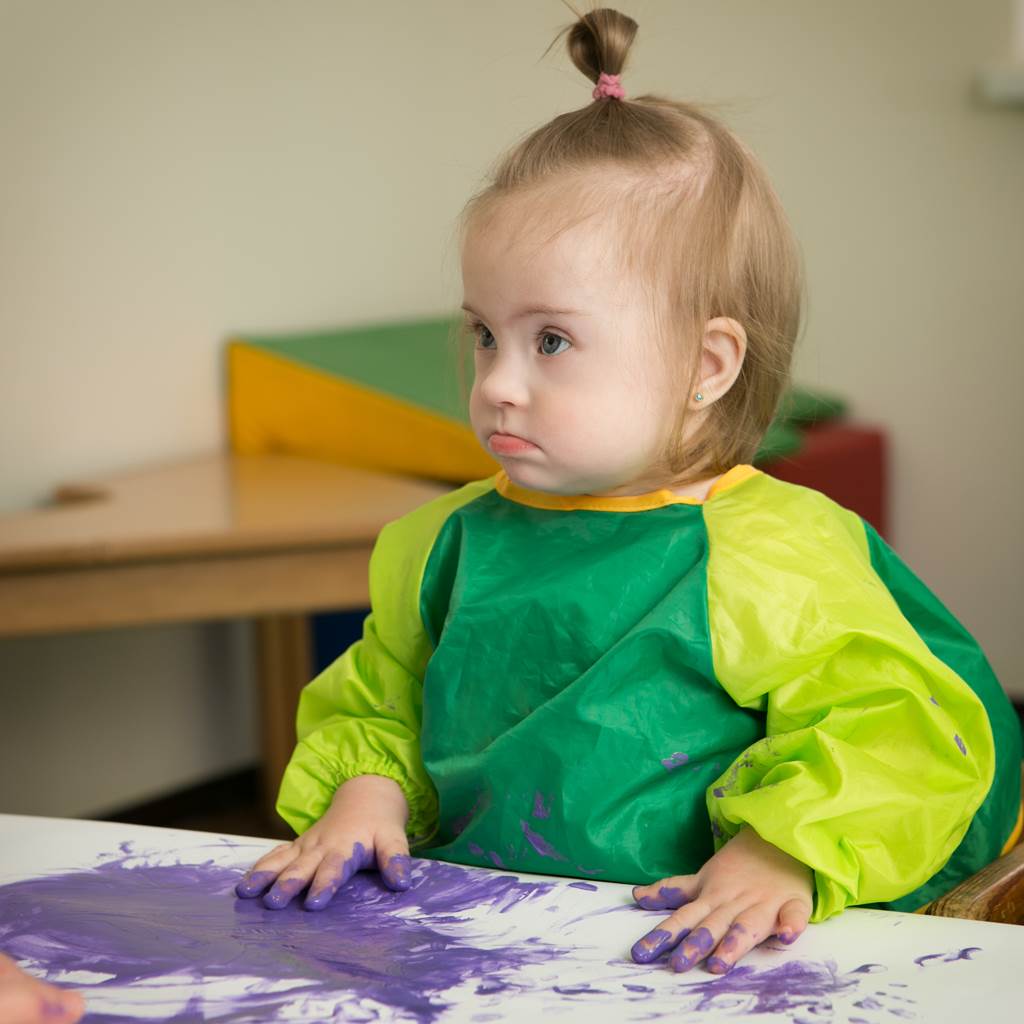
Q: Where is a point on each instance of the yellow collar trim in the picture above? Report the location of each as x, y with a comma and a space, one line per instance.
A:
628, 503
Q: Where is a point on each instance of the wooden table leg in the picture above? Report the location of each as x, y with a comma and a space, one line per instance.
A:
284, 660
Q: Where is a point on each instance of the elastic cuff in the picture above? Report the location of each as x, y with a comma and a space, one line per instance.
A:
422, 805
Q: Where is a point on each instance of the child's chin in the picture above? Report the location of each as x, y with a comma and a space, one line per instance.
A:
533, 478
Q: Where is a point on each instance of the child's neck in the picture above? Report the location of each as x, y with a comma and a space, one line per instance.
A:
698, 489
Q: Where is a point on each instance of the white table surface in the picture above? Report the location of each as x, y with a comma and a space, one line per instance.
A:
143, 922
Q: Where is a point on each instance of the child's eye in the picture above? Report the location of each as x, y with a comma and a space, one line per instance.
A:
484, 338
551, 344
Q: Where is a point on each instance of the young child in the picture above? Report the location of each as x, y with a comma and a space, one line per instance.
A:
629, 655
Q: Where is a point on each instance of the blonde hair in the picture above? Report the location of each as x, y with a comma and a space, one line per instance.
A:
698, 220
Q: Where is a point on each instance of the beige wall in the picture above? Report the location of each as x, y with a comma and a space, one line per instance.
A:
175, 171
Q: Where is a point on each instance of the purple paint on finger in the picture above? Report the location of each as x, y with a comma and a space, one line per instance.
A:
158, 922
716, 965
587, 886
397, 872
732, 937
652, 945
960, 744
540, 844
697, 946
539, 810
673, 761
668, 898
283, 891
359, 859
255, 883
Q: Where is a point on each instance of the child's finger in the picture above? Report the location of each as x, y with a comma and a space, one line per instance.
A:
702, 938
668, 933
293, 880
64, 1006
792, 921
262, 874
334, 871
668, 894
26, 1000
745, 932
254, 883
277, 859
393, 861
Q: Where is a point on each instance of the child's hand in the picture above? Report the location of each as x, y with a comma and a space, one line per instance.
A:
744, 893
27, 1000
363, 828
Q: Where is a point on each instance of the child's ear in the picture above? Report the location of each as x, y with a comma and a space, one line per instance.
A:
723, 348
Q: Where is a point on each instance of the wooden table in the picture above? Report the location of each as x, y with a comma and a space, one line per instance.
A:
266, 537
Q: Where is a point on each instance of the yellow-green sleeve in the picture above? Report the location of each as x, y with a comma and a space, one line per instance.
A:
362, 715
877, 754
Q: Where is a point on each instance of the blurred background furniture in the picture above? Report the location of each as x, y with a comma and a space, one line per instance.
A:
267, 537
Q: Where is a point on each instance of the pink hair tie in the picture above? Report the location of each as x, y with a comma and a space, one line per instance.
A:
610, 86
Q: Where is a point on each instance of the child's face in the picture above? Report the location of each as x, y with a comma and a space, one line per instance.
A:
572, 392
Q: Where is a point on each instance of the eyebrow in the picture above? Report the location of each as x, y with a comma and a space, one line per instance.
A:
533, 311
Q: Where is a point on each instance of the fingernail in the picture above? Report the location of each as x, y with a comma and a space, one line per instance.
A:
786, 938
254, 883
398, 872
282, 893
651, 946
716, 965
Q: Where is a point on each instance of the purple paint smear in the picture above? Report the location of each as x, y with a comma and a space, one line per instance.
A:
539, 810
539, 843
676, 760
960, 744
948, 958
800, 986
148, 922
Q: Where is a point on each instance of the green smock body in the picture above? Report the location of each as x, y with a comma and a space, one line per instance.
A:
613, 687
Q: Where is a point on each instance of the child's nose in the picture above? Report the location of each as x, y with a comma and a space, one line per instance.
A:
505, 382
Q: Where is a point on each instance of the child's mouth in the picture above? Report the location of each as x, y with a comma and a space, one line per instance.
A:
509, 444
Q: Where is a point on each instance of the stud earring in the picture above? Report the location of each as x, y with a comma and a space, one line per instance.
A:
699, 397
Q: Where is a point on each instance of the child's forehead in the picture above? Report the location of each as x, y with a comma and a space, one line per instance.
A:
542, 218
578, 246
